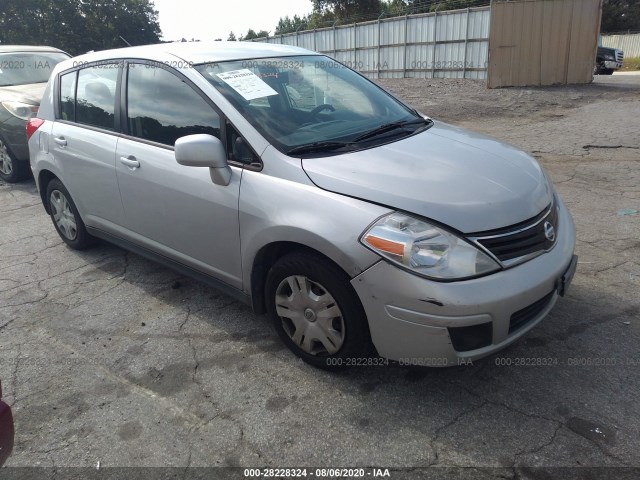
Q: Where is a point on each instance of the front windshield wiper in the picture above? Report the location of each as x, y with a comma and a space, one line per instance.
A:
387, 127
318, 147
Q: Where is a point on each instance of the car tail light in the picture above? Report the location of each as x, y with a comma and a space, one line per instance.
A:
33, 124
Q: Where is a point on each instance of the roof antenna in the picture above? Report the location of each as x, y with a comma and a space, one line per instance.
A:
122, 38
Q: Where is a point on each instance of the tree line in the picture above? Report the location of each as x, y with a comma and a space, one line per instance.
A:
617, 15
78, 26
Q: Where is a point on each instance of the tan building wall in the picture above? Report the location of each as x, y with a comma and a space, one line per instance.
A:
543, 42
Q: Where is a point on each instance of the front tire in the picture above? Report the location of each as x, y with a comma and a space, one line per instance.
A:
66, 218
11, 170
316, 312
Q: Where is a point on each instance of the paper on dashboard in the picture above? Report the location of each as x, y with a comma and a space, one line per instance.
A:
247, 84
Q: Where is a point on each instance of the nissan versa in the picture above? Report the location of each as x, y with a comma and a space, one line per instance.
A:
300, 187
24, 71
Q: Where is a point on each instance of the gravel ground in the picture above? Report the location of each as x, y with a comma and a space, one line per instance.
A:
106, 357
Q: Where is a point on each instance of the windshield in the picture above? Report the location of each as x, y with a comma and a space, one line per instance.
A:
311, 104
22, 68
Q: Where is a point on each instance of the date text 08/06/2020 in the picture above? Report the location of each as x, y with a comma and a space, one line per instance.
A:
316, 472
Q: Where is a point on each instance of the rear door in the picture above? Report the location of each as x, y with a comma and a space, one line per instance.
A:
172, 209
83, 140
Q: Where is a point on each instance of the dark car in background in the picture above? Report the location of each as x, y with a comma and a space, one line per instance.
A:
24, 72
6, 430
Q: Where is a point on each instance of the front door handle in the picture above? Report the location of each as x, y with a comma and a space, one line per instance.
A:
130, 162
60, 141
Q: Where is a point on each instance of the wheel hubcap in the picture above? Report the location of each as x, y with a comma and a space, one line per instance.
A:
310, 315
6, 165
63, 215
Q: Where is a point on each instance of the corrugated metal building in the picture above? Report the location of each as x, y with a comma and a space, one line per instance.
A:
543, 42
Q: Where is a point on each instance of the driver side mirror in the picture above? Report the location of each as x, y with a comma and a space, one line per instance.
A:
203, 150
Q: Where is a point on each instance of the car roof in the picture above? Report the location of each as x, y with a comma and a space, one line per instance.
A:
199, 52
28, 48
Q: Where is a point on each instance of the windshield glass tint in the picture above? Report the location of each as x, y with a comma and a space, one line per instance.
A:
296, 101
22, 68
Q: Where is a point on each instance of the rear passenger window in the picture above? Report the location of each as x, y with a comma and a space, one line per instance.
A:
95, 100
162, 108
68, 96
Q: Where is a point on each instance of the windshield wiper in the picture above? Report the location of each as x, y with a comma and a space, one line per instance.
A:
387, 127
318, 147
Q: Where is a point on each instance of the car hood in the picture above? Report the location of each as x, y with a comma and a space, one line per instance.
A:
462, 179
30, 94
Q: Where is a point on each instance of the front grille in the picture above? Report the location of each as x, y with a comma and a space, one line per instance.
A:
527, 314
619, 56
521, 240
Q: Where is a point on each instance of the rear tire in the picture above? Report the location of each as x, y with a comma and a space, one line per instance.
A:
11, 170
65, 217
316, 312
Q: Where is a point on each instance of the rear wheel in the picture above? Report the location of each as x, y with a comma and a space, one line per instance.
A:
66, 218
316, 312
11, 170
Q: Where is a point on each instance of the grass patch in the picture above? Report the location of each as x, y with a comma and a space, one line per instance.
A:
631, 64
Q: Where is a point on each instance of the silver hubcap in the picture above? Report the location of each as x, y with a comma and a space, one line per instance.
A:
63, 215
310, 315
6, 165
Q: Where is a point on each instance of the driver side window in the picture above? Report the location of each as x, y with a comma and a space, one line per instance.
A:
162, 108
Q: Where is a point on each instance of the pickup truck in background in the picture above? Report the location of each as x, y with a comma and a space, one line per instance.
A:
608, 60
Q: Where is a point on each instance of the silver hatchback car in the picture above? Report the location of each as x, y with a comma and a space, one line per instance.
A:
364, 229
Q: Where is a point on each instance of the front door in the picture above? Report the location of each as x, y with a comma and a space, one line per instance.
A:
175, 210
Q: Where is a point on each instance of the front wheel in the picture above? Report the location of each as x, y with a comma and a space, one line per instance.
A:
316, 312
66, 218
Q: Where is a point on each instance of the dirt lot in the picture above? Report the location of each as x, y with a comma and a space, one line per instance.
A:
106, 357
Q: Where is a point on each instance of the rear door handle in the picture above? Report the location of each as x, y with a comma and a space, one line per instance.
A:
130, 162
60, 141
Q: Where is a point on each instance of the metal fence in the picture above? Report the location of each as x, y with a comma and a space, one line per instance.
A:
629, 44
450, 44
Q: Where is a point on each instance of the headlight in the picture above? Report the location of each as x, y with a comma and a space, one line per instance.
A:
21, 110
609, 57
426, 249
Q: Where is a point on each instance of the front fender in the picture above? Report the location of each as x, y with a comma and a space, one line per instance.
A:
276, 210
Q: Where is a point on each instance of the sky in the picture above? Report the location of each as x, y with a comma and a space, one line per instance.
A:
210, 19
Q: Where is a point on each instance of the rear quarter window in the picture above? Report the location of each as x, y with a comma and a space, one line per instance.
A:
68, 96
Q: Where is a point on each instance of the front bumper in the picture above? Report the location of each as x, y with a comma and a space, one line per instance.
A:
613, 65
412, 319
